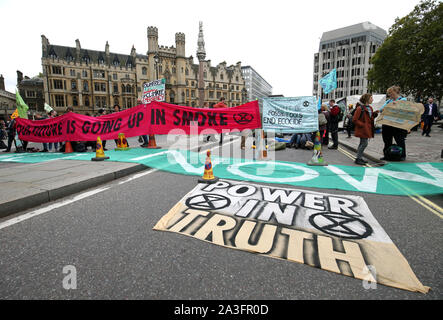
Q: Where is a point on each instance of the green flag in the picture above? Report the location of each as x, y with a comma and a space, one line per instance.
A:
22, 107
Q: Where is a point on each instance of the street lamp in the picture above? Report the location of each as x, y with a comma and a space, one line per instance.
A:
156, 60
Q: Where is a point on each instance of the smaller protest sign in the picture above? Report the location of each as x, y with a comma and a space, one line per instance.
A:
290, 115
401, 114
154, 91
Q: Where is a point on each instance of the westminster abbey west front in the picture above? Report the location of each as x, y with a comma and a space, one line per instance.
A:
88, 80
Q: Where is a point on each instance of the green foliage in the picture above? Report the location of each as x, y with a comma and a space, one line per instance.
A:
412, 54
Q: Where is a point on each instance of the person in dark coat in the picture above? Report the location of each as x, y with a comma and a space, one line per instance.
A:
363, 120
430, 114
333, 123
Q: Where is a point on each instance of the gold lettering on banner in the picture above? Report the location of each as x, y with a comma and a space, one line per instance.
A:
295, 243
328, 256
213, 227
265, 239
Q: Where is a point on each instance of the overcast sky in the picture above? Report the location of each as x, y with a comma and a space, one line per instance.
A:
277, 38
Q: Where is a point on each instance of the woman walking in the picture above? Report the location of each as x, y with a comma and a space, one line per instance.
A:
363, 119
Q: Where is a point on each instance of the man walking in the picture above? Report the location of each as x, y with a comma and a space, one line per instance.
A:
429, 116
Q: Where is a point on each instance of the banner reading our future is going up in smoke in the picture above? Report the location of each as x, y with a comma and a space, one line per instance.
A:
153, 118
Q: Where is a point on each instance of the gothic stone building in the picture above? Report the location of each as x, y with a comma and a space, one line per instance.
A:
87, 79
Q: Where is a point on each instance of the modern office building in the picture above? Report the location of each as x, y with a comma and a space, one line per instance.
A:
349, 50
255, 85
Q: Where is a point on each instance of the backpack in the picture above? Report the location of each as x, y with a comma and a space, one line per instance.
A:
394, 153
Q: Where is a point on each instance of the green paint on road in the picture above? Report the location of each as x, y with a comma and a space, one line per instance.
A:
391, 179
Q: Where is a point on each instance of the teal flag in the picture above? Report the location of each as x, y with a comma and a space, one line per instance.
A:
22, 107
329, 82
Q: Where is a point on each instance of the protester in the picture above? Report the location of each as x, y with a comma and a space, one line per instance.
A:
3, 134
144, 138
47, 147
322, 125
325, 110
221, 104
428, 117
389, 132
69, 109
363, 119
11, 134
348, 120
333, 123
302, 140
102, 112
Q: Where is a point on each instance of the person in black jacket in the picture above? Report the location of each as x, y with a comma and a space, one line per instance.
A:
430, 114
333, 123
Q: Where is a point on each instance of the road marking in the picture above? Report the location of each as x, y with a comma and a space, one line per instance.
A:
425, 203
56, 205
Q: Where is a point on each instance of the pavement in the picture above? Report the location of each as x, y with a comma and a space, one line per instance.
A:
418, 148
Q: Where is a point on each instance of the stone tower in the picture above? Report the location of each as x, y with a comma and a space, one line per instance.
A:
181, 65
152, 51
201, 55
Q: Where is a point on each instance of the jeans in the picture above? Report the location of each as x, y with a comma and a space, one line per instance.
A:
145, 139
334, 137
361, 147
46, 145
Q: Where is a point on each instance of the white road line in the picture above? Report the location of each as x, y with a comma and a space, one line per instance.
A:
56, 205
137, 175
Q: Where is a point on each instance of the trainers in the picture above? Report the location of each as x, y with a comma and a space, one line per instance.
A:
333, 148
360, 161
44, 150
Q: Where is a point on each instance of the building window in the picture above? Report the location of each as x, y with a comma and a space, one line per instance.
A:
100, 86
221, 76
211, 94
58, 84
73, 85
192, 93
187, 72
84, 74
218, 94
86, 101
72, 72
74, 101
115, 88
30, 94
114, 76
56, 70
187, 93
85, 86
100, 102
99, 74
144, 71
59, 100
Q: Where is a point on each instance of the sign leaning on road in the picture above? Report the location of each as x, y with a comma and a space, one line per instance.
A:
154, 91
401, 114
291, 115
331, 232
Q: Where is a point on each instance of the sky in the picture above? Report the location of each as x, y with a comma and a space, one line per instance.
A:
277, 38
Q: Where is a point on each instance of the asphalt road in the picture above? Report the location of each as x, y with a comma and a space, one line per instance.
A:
108, 237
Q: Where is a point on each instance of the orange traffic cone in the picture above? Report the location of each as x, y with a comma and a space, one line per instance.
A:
122, 143
151, 143
264, 147
99, 153
208, 175
68, 147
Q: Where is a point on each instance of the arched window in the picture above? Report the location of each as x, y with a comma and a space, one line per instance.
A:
144, 71
187, 72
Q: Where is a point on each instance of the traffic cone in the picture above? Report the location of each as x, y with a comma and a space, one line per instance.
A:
68, 147
208, 175
122, 143
151, 143
99, 153
264, 147
317, 158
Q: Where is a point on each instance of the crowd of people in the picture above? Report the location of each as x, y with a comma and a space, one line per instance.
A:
359, 118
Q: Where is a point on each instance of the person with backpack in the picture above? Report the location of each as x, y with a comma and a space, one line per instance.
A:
348, 120
363, 119
334, 119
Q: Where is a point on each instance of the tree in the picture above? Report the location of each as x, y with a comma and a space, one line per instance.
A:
412, 54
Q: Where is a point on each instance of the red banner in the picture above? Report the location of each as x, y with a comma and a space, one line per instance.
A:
153, 118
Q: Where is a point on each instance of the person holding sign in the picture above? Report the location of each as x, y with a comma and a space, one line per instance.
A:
389, 132
364, 117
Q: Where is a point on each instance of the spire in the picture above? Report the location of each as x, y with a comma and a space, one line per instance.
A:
201, 53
